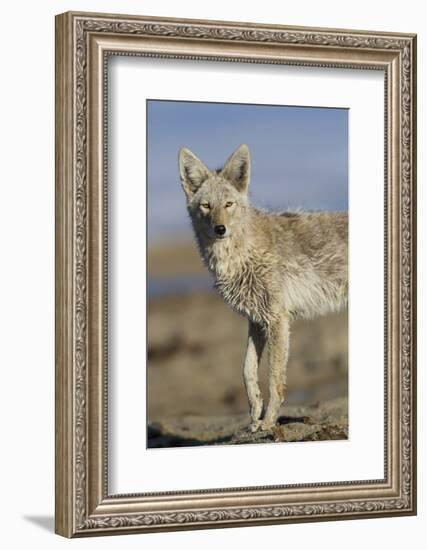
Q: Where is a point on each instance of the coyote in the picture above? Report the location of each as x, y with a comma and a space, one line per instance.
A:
270, 267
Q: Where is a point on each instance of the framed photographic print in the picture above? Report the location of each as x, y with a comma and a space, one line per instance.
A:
235, 274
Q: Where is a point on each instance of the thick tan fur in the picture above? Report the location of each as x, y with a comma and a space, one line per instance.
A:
270, 267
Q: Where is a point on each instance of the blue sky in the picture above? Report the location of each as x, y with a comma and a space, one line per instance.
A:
299, 156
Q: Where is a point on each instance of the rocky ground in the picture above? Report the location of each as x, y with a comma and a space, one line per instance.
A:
326, 421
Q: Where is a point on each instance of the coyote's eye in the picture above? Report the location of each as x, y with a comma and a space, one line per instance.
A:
228, 204
205, 205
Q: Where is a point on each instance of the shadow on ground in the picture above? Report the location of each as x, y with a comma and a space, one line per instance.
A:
44, 522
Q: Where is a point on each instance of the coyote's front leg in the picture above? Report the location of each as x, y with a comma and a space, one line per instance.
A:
278, 349
256, 343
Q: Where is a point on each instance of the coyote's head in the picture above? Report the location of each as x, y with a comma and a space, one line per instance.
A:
217, 200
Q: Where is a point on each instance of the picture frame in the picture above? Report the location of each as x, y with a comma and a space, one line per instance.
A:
84, 41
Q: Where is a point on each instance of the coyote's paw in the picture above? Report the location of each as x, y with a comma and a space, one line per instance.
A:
266, 426
254, 426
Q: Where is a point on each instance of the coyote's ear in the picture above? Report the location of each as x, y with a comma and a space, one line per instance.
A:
237, 169
192, 171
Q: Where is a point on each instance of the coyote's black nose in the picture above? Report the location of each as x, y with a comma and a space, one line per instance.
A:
220, 229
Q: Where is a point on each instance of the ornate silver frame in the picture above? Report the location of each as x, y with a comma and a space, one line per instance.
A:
83, 41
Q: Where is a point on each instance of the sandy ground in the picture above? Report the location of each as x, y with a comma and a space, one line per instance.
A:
196, 347
177, 258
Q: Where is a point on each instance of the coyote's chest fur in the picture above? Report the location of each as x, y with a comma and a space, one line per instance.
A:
239, 278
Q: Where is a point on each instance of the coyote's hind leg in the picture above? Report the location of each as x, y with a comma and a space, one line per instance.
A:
256, 343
